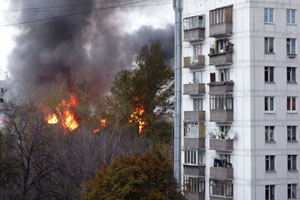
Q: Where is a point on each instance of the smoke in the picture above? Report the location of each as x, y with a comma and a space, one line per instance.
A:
67, 45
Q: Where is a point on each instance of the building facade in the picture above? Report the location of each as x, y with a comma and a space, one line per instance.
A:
240, 135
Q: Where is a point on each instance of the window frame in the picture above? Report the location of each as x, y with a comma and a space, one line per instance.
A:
269, 15
269, 45
291, 73
198, 104
292, 162
292, 133
269, 74
269, 134
270, 192
291, 103
292, 191
198, 79
192, 131
193, 184
269, 103
193, 22
270, 163
290, 16
193, 157
291, 46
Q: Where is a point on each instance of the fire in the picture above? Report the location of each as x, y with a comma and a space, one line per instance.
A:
136, 117
102, 124
64, 114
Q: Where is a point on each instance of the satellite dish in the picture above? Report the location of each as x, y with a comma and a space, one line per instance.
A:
231, 134
213, 133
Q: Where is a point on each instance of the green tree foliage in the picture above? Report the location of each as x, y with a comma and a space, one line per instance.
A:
150, 85
138, 177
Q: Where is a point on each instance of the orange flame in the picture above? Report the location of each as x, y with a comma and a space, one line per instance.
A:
136, 117
102, 124
64, 114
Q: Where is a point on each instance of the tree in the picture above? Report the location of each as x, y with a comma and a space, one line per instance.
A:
139, 177
148, 87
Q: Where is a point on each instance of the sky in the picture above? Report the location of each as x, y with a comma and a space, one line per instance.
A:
156, 16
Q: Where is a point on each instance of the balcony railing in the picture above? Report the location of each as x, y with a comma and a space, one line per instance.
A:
193, 35
195, 171
195, 196
221, 144
221, 116
218, 59
221, 87
191, 63
194, 116
194, 143
194, 89
220, 30
221, 173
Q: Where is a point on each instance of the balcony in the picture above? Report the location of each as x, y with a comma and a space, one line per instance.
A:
218, 59
194, 89
194, 35
194, 143
194, 116
221, 144
221, 116
220, 30
191, 63
220, 198
221, 173
221, 87
194, 171
195, 196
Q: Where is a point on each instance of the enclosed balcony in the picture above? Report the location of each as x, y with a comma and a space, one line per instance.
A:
221, 189
221, 87
220, 59
194, 63
194, 116
195, 196
220, 30
194, 89
221, 170
194, 28
190, 170
221, 144
194, 143
220, 23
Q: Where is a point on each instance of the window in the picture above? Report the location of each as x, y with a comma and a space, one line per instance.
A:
291, 74
269, 15
292, 162
197, 51
269, 74
224, 75
224, 129
191, 129
269, 45
218, 16
221, 102
291, 104
212, 77
193, 23
291, 46
226, 157
270, 192
292, 191
291, 133
269, 133
192, 184
197, 77
270, 163
290, 16
193, 157
221, 188
198, 104
269, 103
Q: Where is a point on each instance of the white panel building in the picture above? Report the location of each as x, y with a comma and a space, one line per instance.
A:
241, 99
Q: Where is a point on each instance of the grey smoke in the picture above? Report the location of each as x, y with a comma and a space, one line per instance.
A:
44, 49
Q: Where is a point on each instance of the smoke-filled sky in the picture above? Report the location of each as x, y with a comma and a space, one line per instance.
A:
107, 40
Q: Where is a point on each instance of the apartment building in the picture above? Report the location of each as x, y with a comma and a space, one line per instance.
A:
240, 135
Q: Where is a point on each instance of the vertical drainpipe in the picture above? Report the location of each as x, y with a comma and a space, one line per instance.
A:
177, 5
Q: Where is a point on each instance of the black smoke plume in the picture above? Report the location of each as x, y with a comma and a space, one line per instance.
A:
69, 44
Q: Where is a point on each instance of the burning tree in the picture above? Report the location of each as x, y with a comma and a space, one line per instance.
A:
142, 96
